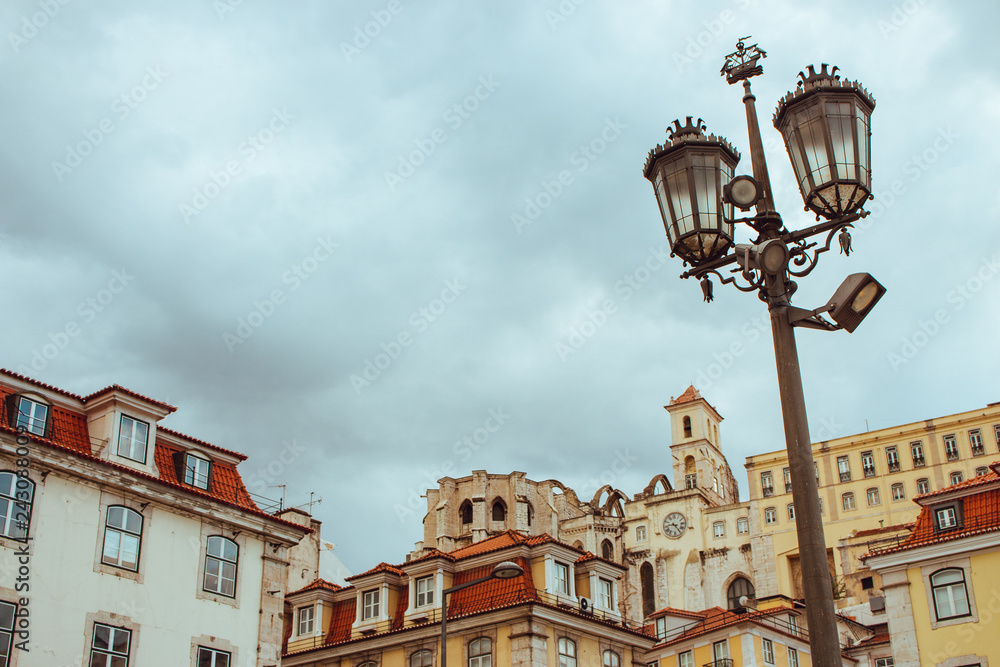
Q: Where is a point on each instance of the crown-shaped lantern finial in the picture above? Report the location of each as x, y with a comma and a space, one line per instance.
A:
676, 130
819, 77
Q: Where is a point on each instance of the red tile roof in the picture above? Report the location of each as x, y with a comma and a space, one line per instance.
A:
381, 567
690, 394
118, 387
492, 594
505, 540
980, 514
344, 613
717, 618
319, 584
237, 455
886, 529
68, 432
401, 604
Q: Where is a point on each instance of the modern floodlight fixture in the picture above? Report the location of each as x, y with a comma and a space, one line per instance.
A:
854, 299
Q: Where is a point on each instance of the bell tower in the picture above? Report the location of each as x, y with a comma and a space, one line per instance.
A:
696, 449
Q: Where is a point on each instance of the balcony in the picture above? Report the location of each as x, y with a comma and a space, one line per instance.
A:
721, 662
845, 476
952, 455
978, 451
768, 491
893, 466
918, 462
869, 472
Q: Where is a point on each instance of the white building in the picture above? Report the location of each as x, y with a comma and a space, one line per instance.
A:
125, 543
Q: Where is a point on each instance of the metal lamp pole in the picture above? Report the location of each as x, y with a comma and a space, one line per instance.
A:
504, 570
825, 125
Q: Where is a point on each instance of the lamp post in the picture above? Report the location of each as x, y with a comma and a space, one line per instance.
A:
825, 125
504, 570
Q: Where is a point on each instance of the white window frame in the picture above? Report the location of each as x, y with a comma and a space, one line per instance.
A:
566, 651
481, 652
215, 654
791, 511
767, 483
976, 442
371, 604
720, 650
892, 457
605, 593
946, 518
847, 501
868, 464
28, 418
307, 618
884, 662
219, 561
793, 623
560, 577
949, 589
917, 454
898, 491
786, 475
719, 529
951, 448
742, 526
423, 658
641, 534
117, 536
768, 649
110, 651
685, 659
770, 516
793, 657
17, 495
661, 627
981, 471
424, 591
923, 486
956, 477
844, 468
135, 447
192, 475
873, 496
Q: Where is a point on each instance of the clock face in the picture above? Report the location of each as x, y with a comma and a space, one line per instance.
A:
674, 525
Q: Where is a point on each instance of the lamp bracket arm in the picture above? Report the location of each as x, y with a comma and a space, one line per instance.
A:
800, 255
810, 319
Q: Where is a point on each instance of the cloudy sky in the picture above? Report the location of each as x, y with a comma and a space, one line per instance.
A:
335, 237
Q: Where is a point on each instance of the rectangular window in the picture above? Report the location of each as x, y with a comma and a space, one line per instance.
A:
770, 516
951, 447
32, 415
685, 659
793, 623
787, 474
425, 591
16, 495
196, 471
122, 537
844, 468
768, 647
793, 657
951, 599
884, 662
222, 557
976, 442
109, 646
897, 492
369, 607
640, 533
742, 526
7, 611
691, 481
720, 650
867, 583
848, 501
947, 517
957, 477
210, 657
132, 437
892, 459
868, 464
791, 512
923, 486
767, 484
917, 452
661, 628
996, 433
306, 620
873, 497
719, 529
605, 596
561, 572
981, 471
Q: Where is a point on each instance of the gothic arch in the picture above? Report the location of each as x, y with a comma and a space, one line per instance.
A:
737, 585
498, 510
615, 503
465, 513
607, 550
660, 479
647, 581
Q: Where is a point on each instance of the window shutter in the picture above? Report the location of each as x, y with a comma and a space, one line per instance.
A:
10, 402
211, 474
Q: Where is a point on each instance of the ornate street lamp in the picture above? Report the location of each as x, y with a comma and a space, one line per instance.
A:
504, 570
825, 124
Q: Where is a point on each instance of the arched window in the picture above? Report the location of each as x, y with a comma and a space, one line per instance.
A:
221, 557
465, 511
687, 427
531, 511
368, 664
648, 593
499, 511
567, 652
951, 598
738, 589
421, 659
122, 536
480, 652
16, 496
610, 659
607, 550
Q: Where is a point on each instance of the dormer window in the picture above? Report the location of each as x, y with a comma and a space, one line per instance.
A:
32, 415
370, 605
196, 471
133, 436
306, 620
948, 517
425, 591
561, 572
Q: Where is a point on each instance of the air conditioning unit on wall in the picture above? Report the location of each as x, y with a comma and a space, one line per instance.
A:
586, 606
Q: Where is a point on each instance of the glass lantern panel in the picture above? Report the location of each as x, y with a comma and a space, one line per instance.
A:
840, 117
661, 198
727, 175
814, 144
706, 190
863, 155
680, 200
795, 152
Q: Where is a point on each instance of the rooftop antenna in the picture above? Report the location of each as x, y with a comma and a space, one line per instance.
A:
281, 503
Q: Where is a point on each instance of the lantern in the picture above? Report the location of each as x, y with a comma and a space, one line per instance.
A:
688, 174
826, 127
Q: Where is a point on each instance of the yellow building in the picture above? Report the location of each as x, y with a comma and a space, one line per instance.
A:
562, 610
866, 483
724, 638
942, 584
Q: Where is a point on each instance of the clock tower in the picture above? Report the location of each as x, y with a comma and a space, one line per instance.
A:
696, 450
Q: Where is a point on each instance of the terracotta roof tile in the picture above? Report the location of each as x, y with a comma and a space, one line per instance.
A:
886, 529
492, 594
980, 514
381, 567
318, 584
717, 618
341, 621
401, 604
118, 387
35, 382
690, 394
163, 429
